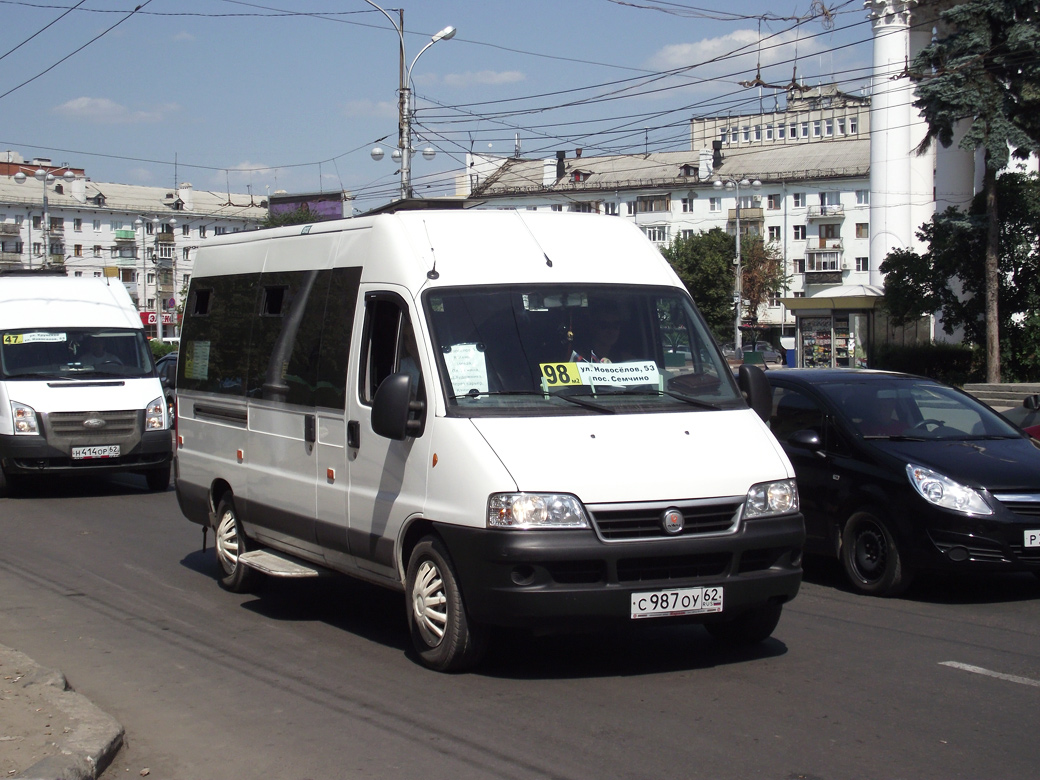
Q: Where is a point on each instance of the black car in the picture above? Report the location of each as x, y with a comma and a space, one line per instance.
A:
899, 473
166, 367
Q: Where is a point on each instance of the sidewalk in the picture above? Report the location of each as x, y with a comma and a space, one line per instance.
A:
47, 730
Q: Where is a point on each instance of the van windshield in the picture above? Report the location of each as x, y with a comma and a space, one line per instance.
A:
74, 353
585, 349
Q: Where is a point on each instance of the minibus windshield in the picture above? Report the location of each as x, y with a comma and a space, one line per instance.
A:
74, 353
575, 349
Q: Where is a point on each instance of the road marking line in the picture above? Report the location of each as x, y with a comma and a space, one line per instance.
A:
988, 673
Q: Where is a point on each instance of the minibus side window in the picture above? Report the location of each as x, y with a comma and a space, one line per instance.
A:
389, 348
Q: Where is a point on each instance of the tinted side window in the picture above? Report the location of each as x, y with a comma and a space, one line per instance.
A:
216, 332
794, 411
334, 353
389, 346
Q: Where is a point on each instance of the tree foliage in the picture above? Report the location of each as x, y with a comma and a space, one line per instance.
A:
984, 78
950, 277
298, 216
762, 274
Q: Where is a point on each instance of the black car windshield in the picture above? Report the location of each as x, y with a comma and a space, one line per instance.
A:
74, 353
575, 349
914, 409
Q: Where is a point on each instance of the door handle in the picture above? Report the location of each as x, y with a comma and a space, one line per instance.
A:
353, 433
310, 429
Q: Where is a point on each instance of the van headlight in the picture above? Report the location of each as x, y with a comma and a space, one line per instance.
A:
155, 415
24, 418
935, 488
771, 498
535, 510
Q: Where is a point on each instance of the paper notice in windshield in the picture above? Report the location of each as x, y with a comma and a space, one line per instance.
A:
467, 368
196, 360
632, 372
33, 338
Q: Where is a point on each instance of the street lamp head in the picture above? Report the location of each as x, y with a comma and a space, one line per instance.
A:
395, 155
444, 35
68, 175
42, 175
138, 222
377, 153
20, 178
429, 153
717, 184
173, 222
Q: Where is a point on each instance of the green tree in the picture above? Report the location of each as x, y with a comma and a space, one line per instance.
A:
704, 262
762, 274
918, 285
985, 75
298, 216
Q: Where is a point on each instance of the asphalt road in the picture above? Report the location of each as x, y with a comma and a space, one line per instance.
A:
108, 583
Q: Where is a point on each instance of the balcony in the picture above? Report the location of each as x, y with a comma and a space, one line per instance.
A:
749, 215
9, 229
832, 211
167, 238
823, 244
126, 235
823, 277
10, 257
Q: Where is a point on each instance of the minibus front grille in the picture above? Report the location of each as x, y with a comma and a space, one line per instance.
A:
628, 522
66, 426
677, 567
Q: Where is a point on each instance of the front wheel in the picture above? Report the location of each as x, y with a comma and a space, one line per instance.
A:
231, 542
442, 633
871, 556
754, 626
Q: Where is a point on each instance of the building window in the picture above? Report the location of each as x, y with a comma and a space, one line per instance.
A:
816, 128
584, 207
185, 230
185, 253
687, 205
799, 265
799, 200
37, 248
202, 231
610, 208
166, 251
97, 225
758, 132
773, 202
862, 230
862, 263
805, 129
116, 225
722, 135
686, 233
799, 232
77, 250
798, 295
853, 125
219, 230
841, 126
745, 133
657, 233
780, 132
652, 203
828, 127
769, 132
185, 279
774, 232
97, 274
774, 300
794, 131
149, 228
150, 279
37, 221
77, 224
78, 274
862, 197
822, 261
714, 204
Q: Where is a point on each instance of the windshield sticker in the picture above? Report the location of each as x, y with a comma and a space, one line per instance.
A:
467, 368
196, 360
33, 338
633, 372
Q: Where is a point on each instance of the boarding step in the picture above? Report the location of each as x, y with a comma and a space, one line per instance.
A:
279, 564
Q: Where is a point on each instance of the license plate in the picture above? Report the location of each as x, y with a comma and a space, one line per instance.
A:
678, 601
1032, 539
101, 451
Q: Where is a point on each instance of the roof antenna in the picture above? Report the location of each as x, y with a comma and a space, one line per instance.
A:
432, 274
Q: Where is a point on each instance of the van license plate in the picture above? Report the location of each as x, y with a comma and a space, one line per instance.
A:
1032, 539
101, 451
680, 601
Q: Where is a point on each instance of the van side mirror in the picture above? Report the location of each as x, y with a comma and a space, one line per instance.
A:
1032, 401
757, 392
392, 409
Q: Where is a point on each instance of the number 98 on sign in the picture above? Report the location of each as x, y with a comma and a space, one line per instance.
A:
558, 374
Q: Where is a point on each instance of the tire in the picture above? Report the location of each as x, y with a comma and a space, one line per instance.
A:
158, 479
754, 626
870, 554
229, 542
442, 633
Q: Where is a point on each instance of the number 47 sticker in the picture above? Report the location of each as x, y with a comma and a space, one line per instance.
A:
560, 374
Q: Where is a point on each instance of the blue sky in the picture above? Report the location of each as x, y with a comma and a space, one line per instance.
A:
293, 94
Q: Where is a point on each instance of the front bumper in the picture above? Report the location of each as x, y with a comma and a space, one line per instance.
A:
572, 579
35, 455
993, 543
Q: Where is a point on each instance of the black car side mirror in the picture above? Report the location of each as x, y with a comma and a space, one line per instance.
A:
392, 409
1032, 401
806, 439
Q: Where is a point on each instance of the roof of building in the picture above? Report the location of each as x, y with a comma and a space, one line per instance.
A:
132, 199
791, 162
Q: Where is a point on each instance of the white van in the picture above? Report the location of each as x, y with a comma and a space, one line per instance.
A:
78, 388
518, 419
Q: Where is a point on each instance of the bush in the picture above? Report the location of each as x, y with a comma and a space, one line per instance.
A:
160, 348
953, 364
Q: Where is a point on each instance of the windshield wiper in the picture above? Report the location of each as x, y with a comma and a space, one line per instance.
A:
478, 393
584, 401
39, 375
671, 394
901, 437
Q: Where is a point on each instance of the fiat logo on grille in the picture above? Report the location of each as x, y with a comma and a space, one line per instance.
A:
672, 521
94, 421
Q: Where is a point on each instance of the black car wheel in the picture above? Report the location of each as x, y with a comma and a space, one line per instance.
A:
871, 556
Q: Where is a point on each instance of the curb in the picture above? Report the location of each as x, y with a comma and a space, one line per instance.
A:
89, 739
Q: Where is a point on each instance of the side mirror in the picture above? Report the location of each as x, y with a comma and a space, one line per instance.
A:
757, 392
805, 439
392, 409
1032, 401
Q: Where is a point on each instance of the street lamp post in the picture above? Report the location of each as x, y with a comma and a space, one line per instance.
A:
735, 185
403, 152
45, 177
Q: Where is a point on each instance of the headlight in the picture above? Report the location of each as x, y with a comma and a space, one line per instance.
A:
771, 498
155, 415
944, 492
24, 420
535, 510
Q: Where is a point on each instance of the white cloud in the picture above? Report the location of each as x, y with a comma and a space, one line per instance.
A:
184, 37
370, 108
483, 78
102, 111
737, 52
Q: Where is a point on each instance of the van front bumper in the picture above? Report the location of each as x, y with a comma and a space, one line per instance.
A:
559, 580
34, 455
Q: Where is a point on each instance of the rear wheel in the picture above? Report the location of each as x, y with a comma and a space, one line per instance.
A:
754, 626
873, 561
231, 542
442, 633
